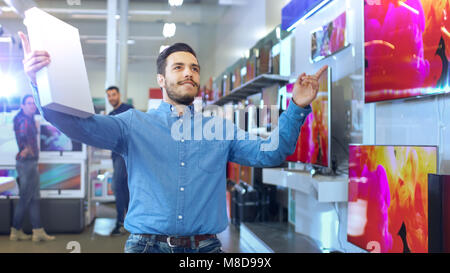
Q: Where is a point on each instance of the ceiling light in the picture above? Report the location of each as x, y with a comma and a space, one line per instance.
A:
162, 48
169, 30
175, 3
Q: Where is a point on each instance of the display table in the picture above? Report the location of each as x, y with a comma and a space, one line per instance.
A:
318, 200
323, 188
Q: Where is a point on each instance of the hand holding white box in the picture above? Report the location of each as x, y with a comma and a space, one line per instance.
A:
63, 84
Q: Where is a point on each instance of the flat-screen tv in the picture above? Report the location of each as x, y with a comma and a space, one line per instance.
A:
61, 179
55, 144
313, 145
9, 172
388, 197
406, 48
329, 39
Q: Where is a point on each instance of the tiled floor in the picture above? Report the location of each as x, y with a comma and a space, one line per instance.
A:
276, 237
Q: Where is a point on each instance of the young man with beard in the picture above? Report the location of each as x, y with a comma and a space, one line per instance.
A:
120, 176
177, 185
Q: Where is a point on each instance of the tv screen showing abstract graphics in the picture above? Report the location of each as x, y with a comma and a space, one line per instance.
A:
60, 176
407, 48
388, 197
54, 140
329, 39
313, 142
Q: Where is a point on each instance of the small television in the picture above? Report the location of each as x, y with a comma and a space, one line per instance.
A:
62, 178
8, 171
55, 144
388, 197
406, 38
313, 145
329, 39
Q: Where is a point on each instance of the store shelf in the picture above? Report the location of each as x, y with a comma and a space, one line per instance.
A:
323, 188
252, 87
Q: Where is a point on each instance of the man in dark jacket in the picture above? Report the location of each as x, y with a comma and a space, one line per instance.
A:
120, 177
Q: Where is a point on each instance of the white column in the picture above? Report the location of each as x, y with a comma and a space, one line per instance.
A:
111, 49
123, 38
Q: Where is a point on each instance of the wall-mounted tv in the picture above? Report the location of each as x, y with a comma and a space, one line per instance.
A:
313, 145
62, 179
388, 197
407, 48
329, 39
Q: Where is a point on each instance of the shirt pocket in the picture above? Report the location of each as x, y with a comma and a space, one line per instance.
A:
213, 156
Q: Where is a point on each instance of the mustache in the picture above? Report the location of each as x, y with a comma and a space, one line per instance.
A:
190, 81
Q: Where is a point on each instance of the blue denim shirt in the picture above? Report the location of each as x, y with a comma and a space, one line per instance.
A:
178, 184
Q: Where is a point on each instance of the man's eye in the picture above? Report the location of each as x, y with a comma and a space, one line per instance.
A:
177, 67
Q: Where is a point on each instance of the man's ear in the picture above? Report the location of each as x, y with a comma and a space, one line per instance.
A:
161, 80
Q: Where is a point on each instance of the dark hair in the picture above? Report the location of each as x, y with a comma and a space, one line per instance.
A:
113, 88
24, 99
161, 61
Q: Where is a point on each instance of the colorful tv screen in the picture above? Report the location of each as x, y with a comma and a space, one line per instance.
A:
54, 140
406, 48
9, 173
329, 39
313, 142
388, 197
60, 176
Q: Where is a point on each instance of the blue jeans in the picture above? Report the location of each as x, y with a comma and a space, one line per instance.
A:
140, 244
120, 188
29, 193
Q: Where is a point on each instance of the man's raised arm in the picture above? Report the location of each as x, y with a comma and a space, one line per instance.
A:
106, 132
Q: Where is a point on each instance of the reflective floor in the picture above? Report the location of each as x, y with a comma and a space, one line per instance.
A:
250, 237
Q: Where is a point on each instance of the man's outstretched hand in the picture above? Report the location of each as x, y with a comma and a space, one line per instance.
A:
306, 88
33, 60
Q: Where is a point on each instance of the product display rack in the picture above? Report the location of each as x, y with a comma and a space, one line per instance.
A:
252, 87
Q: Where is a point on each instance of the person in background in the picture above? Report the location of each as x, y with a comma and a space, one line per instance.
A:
120, 176
28, 174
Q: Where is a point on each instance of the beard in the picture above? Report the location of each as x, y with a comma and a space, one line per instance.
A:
183, 99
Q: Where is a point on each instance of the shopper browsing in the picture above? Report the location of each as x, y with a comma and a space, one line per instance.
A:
177, 184
120, 176
28, 175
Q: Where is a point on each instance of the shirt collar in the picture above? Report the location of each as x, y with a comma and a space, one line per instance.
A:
168, 108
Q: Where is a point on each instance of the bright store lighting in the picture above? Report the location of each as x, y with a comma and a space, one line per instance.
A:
8, 86
175, 3
161, 49
169, 30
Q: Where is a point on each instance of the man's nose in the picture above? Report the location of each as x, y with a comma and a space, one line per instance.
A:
187, 73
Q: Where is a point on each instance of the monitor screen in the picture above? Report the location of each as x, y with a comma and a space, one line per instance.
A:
54, 140
60, 176
329, 39
6, 172
406, 38
388, 197
313, 143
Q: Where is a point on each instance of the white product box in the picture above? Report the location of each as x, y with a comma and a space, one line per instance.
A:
63, 85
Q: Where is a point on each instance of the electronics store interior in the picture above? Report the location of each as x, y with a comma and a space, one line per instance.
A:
368, 173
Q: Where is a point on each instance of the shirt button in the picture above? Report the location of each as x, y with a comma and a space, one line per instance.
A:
302, 115
181, 189
182, 164
182, 140
180, 217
